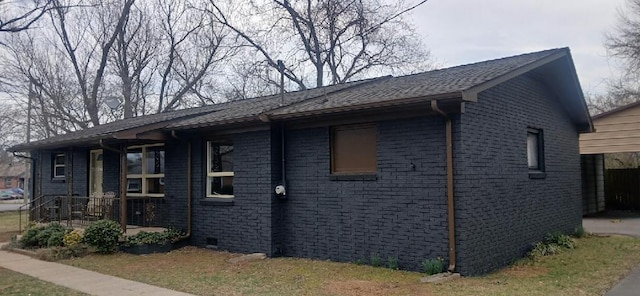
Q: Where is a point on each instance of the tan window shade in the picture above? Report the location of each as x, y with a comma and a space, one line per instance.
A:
354, 149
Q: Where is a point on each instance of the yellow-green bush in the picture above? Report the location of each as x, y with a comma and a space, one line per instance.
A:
72, 238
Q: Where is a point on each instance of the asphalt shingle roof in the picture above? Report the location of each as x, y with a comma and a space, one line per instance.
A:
438, 82
449, 81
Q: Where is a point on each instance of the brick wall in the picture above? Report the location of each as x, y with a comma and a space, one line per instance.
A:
245, 224
500, 210
401, 214
79, 181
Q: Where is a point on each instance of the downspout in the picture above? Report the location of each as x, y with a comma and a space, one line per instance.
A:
280, 190
189, 194
283, 159
450, 192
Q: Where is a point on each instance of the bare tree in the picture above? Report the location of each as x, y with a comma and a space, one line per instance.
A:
134, 50
90, 82
194, 44
16, 16
624, 44
329, 40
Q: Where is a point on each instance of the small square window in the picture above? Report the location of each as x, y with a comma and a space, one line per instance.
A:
535, 150
8, 183
58, 166
354, 149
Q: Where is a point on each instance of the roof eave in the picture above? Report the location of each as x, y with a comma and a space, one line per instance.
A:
344, 109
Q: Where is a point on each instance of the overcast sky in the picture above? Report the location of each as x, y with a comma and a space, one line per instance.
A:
466, 31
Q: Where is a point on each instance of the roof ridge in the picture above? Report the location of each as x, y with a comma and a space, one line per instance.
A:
324, 94
548, 51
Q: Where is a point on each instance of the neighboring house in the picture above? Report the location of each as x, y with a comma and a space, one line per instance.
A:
12, 175
472, 164
616, 131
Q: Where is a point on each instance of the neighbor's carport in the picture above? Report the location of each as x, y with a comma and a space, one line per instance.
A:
616, 131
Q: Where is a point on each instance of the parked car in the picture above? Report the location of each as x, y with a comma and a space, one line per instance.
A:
11, 193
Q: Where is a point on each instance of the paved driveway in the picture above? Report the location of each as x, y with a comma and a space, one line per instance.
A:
613, 225
10, 205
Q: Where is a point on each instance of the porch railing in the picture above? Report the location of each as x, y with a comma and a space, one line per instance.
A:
80, 211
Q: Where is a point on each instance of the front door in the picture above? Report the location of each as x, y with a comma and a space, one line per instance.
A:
95, 172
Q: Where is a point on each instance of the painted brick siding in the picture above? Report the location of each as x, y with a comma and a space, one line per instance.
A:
175, 181
244, 226
402, 213
500, 211
79, 163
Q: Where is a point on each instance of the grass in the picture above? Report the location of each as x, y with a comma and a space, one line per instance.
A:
9, 222
13, 283
590, 269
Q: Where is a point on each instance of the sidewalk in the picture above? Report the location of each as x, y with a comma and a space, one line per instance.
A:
78, 279
628, 286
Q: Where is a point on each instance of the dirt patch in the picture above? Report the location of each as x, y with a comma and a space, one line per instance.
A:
525, 271
359, 287
6, 236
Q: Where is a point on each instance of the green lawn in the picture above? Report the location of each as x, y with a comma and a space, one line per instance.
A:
590, 269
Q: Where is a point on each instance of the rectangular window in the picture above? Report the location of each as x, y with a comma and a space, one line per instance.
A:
145, 170
354, 149
58, 166
220, 169
8, 183
535, 150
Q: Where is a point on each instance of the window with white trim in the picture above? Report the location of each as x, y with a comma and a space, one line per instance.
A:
8, 182
220, 169
59, 166
145, 170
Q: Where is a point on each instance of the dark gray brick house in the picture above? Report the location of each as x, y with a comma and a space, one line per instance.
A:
472, 164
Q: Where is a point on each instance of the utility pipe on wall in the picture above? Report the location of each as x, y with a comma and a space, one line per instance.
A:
450, 192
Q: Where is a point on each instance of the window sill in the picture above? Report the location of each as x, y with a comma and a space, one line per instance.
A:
216, 201
58, 180
537, 175
353, 177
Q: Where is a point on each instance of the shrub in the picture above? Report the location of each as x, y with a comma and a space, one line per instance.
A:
433, 266
61, 253
552, 244
392, 263
72, 238
29, 237
579, 232
561, 240
103, 235
541, 249
44, 236
376, 261
143, 237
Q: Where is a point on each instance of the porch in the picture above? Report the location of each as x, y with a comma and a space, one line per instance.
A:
139, 213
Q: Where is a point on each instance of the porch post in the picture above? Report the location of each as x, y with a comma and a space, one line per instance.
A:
123, 188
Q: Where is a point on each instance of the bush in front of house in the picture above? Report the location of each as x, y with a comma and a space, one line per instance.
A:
103, 235
149, 238
50, 235
433, 266
552, 244
73, 238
